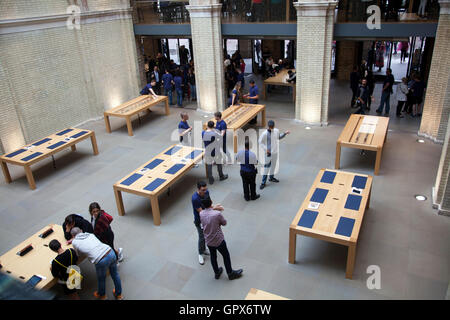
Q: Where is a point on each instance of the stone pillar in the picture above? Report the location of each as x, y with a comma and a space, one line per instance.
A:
314, 39
436, 107
441, 190
207, 43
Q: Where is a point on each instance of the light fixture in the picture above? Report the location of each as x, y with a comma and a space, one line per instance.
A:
420, 197
420, 141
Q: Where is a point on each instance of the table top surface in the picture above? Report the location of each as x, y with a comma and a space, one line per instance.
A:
280, 78
40, 149
135, 105
333, 210
37, 261
364, 130
237, 116
256, 294
153, 176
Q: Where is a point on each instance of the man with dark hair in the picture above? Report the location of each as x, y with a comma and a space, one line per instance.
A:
363, 97
75, 220
210, 138
253, 96
63, 260
221, 127
354, 83
248, 160
201, 194
386, 93
148, 89
212, 220
268, 141
184, 129
167, 81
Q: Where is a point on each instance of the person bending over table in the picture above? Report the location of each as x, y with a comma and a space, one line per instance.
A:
75, 220
234, 98
148, 89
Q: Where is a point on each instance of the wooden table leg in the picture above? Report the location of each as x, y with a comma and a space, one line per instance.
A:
108, 125
378, 162
206, 169
350, 261
119, 202
30, 177
264, 91
167, 107
6, 172
235, 142
73, 147
292, 245
338, 156
129, 126
94, 143
155, 210
368, 199
263, 117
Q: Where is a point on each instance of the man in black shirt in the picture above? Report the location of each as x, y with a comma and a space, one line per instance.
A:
60, 265
363, 97
75, 220
386, 93
354, 83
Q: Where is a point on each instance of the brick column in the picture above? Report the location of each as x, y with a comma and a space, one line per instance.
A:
206, 31
441, 189
436, 107
314, 36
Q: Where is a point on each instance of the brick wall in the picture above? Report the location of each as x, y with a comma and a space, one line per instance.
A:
346, 58
55, 78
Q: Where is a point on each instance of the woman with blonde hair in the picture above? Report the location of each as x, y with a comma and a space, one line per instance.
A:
234, 97
402, 91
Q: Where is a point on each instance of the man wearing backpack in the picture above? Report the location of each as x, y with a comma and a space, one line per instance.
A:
101, 222
60, 264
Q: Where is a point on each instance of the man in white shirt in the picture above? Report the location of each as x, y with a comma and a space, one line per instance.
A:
268, 143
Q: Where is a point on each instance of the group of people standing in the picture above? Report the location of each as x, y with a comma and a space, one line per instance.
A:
167, 77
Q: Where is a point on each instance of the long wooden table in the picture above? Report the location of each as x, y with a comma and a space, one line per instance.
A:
237, 116
280, 79
255, 294
333, 211
37, 261
155, 176
39, 150
366, 133
134, 107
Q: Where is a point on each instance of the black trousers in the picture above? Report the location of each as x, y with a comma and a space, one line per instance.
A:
399, 107
355, 94
222, 248
249, 184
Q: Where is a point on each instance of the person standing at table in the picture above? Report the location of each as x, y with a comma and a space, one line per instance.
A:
101, 222
75, 220
268, 141
63, 260
248, 161
386, 93
234, 97
148, 89
184, 129
253, 96
102, 256
167, 81
221, 127
178, 81
212, 220
211, 140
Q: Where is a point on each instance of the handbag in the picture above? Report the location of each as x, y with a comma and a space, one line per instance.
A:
74, 279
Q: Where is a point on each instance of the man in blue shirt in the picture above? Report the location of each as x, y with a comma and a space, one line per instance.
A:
210, 139
202, 193
253, 96
184, 129
221, 127
178, 81
167, 81
148, 89
248, 160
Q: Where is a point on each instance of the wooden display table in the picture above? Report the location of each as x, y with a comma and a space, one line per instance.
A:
238, 116
133, 107
279, 80
38, 260
39, 150
333, 211
366, 133
255, 294
152, 178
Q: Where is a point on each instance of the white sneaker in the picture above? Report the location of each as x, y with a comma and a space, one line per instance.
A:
206, 252
201, 260
120, 255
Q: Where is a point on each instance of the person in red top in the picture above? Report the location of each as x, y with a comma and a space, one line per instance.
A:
242, 66
101, 221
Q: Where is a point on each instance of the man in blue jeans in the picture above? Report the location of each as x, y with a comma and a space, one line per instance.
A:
102, 256
178, 81
386, 93
167, 81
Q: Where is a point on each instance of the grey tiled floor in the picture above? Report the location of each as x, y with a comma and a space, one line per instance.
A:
406, 238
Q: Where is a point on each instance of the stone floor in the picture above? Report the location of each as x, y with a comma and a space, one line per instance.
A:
404, 237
